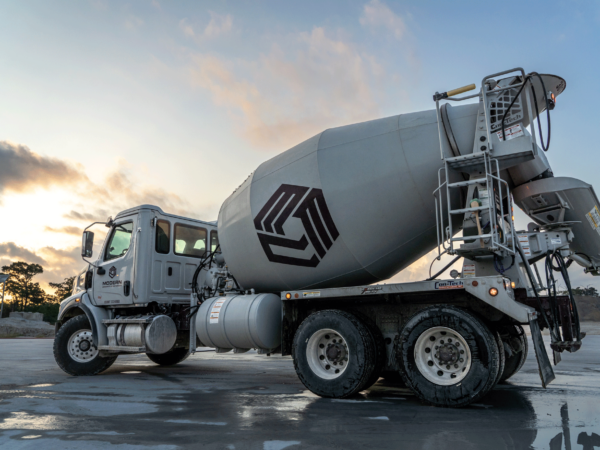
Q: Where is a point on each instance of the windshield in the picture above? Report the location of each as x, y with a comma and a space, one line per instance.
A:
120, 239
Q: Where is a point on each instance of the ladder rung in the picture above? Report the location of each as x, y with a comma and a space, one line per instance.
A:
466, 210
467, 157
469, 238
468, 182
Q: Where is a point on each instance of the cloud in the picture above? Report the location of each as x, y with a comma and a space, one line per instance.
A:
21, 170
316, 81
125, 193
217, 26
76, 231
377, 16
132, 23
96, 216
14, 252
57, 263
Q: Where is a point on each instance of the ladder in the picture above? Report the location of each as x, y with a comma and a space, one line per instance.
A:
480, 170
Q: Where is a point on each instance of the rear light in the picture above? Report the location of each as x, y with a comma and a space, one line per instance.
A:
551, 101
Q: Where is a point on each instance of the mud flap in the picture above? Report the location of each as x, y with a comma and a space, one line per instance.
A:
544, 366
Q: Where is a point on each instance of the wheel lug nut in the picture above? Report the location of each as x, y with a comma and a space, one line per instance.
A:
441, 342
430, 363
456, 366
462, 351
461, 360
449, 340
448, 367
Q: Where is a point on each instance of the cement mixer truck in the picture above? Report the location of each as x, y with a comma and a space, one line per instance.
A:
297, 261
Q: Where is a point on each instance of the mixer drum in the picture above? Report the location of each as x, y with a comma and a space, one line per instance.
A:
352, 205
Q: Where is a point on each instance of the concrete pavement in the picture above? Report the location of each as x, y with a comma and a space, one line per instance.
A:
251, 401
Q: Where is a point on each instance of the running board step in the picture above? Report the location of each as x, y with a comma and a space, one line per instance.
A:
121, 348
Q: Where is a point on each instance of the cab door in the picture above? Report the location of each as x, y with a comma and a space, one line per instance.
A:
113, 279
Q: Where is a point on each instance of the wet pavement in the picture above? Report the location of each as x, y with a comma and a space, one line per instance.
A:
251, 401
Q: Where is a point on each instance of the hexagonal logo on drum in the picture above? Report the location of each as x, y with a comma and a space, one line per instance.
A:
303, 203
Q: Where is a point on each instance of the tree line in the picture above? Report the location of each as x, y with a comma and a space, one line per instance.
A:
27, 294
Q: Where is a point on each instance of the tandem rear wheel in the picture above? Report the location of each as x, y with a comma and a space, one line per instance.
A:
449, 357
336, 354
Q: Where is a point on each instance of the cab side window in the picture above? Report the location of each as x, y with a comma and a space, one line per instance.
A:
163, 237
190, 241
214, 240
119, 242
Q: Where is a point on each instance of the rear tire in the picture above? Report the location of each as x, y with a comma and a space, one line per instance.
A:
517, 356
448, 356
334, 354
74, 351
381, 357
172, 357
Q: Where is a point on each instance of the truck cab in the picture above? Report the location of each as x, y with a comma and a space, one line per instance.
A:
150, 256
140, 280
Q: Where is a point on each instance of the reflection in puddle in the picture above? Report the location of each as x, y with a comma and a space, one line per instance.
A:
587, 441
24, 421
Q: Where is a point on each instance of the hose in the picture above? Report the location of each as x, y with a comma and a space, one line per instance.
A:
207, 258
562, 268
528, 78
531, 280
499, 266
442, 271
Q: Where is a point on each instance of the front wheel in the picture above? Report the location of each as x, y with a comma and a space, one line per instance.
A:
172, 357
334, 354
74, 349
449, 357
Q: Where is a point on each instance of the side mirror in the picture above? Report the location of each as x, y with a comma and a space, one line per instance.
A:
87, 244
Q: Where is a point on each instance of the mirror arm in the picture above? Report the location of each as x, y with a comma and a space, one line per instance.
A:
109, 223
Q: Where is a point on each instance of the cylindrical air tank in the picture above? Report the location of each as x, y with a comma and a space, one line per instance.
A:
352, 205
240, 322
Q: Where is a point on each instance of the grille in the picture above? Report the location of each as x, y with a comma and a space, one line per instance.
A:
500, 104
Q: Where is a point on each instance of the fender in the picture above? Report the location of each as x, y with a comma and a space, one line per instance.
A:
81, 301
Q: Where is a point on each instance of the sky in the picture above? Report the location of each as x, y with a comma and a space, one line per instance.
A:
110, 104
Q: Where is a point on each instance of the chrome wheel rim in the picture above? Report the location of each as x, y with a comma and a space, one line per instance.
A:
327, 354
81, 346
442, 356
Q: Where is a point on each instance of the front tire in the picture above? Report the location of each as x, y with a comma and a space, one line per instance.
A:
334, 354
448, 356
172, 357
74, 350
